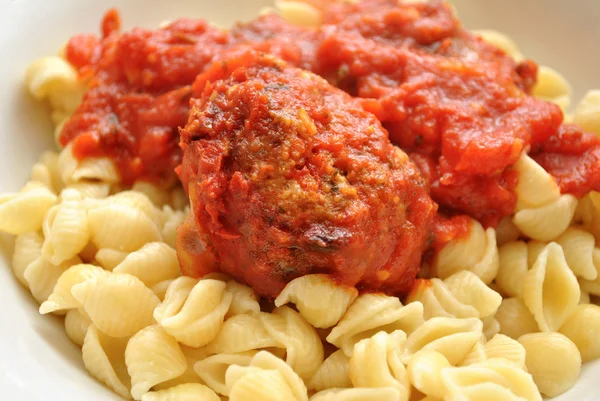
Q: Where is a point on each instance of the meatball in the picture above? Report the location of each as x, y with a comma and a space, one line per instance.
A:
289, 176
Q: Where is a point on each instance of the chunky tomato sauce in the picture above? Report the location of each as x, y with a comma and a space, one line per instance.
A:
459, 107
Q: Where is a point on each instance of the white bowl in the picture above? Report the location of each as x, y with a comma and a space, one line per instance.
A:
37, 361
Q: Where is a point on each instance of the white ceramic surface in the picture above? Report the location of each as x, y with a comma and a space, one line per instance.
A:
37, 362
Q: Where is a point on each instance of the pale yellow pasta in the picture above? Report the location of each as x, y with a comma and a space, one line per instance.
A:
91, 189
451, 337
24, 211
66, 228
579, 249
304, 349
61, 297
553, 360
587, 113
535, 186
28, 248
372, 313
193, 311
110, 258
152, 263
267, 378
334, 372
119, 305
357, 394
506, 231
192, 356
547, 222
584, 298
41, 276
491, 326
477, 354
495, 379
77, 324
242, 333
515, 319
319, 300
550, 290
152, 356
513, 268
160, 289
121, 227
553, 87
244, 299
40, 173
461, 295
158, 196
500, 346
582, 327
50, 160
136, 200
501, 41
169, 229
92, 168
375, 362
212, 369
183, 392
104, 358
477, 253
424, 372
298, 13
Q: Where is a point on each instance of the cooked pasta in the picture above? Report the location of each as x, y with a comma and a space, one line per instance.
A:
298, 12
119, 305
242, 333
41, 276
375, 362
66, 228
318, 298
553, 87
183, 392
153, 263
495, 379
169, 229
550, 289
501, 41
193, 310
152, 356
266, 378
587, 112
515, 319
77, 324
73, 170
357, 394
553, 360
580, 252
461, 295
334, 372
110, 258
24, 211
304, 350
104, 358
244, 300
189, 376
212, 369
28, 248
582, 327
61, 297
477, 253
424, 372
372, 313
451, 337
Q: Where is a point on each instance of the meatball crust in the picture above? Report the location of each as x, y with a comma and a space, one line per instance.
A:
289, 176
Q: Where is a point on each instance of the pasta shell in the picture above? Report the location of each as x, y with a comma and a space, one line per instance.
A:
357, 394
212, 369
119, 305
160, 289
152, 356
501, 346
104, 358
582, 327
183, 392
424, 372
513, 268
375, 362
578, 247
547, 222
535, 187
451, 337
469, 289
49, 74
24, 212
121, 227
587, 111
550, 289
304, 350
242, 333
158, 196
153, 263
299, 13
501, 41
334, 372
110, 258
169, 230
91, 189
42, 276
515, 319
553, 87
320, 300
61, 297
372, 313
28, 248
77, 324
553, 360
193, 311
244, 299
